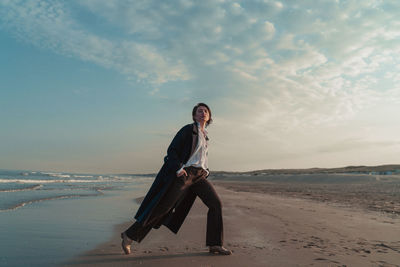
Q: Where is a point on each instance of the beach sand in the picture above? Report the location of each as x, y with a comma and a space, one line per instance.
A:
266, 228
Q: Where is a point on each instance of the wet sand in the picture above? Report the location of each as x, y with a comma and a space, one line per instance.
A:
275, 224
377, 193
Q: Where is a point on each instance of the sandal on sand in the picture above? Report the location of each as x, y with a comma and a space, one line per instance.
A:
220, 250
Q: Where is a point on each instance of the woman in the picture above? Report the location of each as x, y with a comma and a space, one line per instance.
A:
181, 179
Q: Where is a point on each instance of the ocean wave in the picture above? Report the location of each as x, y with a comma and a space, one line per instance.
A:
33, 187
142, 179
22, 204
55, 174
82, 176
34, 181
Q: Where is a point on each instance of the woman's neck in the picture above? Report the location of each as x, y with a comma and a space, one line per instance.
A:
201, 125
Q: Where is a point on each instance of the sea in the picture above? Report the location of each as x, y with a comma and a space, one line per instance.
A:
48, 218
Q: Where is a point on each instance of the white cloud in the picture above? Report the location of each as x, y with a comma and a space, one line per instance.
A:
236, 9
51, 26
283, 67
278, 4
269, 29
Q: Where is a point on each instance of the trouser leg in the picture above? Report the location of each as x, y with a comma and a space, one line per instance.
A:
208, 195
138, 231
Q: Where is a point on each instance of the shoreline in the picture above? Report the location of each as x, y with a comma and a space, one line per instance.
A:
263, 229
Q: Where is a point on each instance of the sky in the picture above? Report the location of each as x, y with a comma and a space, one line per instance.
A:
102, 86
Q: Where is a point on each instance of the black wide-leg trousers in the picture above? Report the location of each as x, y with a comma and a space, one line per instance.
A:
197, 183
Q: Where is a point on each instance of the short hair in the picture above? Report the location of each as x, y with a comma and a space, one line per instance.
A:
202, 105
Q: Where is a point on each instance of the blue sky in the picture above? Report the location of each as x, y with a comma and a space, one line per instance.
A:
103, 86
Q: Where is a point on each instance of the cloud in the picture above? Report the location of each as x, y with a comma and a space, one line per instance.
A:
276, 68
50, 25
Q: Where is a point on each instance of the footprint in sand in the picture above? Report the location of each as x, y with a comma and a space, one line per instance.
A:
328, 260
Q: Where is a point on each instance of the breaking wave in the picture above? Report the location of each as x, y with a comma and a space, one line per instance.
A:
22, 204
33, 187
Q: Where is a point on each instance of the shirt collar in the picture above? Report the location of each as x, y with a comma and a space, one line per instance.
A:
198, 127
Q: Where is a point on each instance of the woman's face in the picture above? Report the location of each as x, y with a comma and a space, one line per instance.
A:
202, 115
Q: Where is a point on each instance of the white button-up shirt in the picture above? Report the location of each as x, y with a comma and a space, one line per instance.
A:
199, 157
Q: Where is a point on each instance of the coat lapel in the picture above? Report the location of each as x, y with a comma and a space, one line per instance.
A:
195, 139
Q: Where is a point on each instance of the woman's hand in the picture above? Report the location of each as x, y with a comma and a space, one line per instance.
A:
182, 172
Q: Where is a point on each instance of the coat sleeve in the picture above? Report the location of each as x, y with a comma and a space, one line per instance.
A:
175, 149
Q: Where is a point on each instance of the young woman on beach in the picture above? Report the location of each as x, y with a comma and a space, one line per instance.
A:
181, 179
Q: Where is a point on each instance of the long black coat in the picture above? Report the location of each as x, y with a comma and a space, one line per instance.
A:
178, 153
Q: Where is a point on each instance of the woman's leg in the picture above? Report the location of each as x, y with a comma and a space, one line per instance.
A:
208, 195
138, 231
